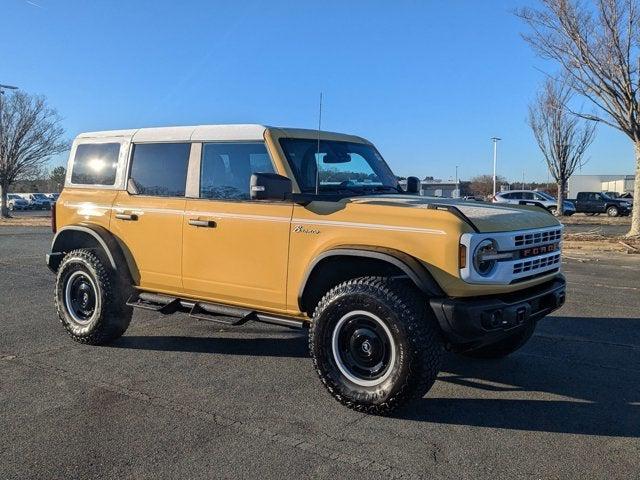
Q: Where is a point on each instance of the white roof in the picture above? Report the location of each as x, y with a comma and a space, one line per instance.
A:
196, 132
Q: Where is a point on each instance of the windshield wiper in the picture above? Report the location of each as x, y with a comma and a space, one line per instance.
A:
382, 188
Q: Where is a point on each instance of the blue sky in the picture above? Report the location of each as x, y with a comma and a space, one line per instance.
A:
429, 82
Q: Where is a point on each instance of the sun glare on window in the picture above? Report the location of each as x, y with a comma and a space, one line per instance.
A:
97, 164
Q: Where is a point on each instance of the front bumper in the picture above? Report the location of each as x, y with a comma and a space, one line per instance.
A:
483, 320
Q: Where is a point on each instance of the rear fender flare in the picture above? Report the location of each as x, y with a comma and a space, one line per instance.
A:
70, 237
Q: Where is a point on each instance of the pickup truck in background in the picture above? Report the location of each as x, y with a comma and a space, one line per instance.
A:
593, 203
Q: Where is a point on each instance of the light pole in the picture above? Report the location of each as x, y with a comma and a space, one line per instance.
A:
3, 193
495, 161
2, 89
457, 190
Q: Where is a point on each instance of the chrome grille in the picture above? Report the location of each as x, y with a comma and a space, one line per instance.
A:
535, 264
536, 238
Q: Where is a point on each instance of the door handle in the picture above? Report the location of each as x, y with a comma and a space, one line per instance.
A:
127, 216
202, 223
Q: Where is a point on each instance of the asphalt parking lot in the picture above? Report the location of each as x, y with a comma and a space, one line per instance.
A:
180, 398
31, 213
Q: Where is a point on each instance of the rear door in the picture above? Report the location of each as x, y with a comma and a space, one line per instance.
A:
590, 203
147, 217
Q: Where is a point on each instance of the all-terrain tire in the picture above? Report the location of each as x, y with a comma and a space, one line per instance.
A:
401, 313
84, 275
504, 347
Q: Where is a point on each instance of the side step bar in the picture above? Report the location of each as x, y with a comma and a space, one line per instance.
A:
212, 312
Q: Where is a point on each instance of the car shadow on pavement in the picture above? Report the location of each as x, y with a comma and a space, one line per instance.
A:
294, 347
588, 385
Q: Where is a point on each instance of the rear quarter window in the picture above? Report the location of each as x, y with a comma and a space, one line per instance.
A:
95, 164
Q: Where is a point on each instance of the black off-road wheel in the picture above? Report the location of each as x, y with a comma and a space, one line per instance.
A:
375, 344
504, 347
91, 299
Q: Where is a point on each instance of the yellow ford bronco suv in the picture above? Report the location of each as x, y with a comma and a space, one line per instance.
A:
299, 228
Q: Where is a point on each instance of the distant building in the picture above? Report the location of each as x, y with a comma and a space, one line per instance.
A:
600, 183
431, 187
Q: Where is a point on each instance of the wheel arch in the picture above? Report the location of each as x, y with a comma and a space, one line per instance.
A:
93, 237
340, 264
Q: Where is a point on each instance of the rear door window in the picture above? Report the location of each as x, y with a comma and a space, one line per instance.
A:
160, 169
95, 164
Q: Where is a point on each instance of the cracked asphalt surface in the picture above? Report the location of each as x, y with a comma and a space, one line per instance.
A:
181, 398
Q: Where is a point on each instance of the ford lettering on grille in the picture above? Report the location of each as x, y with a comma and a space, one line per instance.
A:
539, 250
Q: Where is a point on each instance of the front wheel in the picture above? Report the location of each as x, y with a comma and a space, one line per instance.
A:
612, 211
375, 344
90, 299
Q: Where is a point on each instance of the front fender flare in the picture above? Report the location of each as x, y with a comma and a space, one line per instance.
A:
413, 268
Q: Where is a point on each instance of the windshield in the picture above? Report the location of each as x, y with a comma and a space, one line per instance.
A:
546, 195
342, 167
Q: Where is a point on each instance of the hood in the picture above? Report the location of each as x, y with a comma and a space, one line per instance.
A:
487, 217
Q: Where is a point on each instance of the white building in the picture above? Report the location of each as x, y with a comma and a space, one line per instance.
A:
600, 183
437, 188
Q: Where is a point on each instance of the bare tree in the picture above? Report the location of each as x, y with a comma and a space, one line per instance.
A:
482, 185
598, 47
562, 137
30, 133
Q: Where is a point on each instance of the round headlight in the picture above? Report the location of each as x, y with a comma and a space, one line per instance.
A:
484, 257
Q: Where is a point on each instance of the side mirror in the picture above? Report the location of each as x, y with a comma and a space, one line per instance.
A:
269, 186
413, 185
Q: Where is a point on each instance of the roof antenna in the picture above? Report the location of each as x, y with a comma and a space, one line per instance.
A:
318, 153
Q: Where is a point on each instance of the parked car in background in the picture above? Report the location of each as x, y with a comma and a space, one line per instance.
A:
39, 201
53, 197
543, 200
16, 202
627, 197
593, 203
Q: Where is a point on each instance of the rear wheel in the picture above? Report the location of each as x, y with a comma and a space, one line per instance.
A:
612, 211
90, 299
504, 347
375, 344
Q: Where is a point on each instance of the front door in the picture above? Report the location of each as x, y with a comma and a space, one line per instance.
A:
147, 219
235, 250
